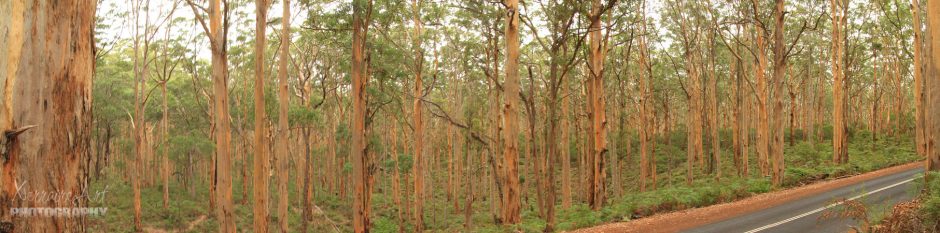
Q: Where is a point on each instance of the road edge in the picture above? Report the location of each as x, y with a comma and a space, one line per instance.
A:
686, 219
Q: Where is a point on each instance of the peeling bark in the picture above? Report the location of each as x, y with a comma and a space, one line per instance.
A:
52, 73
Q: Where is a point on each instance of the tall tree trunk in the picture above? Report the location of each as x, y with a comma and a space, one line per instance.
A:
747, 96
512, 189
598, 114
780, 67
260, 174
919, 118
221, 177
763, 129
46, 45
565, 152
418, 118
494, 129
739, 127
396, 181
711, 91
898, 100
468, 169
362, 178
933, 85
839, 150
164, 140
644, 78
139, 124
282, 152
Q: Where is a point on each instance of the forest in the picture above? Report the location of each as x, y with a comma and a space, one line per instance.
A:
461, 115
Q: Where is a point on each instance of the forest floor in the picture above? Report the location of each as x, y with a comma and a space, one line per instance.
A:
806, 163
686, 219
189, 227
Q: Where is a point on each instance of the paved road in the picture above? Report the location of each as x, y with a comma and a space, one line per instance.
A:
803, 215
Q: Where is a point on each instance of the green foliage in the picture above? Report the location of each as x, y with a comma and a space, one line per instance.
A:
188, 144
383, 224
405, 161
347, 167
454, 58
826, 131
759, 186
578, 216
304, 116
931, 204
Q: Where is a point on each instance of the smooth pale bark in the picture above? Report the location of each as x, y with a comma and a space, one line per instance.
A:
919, 124
512, 190
281, 150
46, 45
418, 118
362, 178
933, 85
839, 150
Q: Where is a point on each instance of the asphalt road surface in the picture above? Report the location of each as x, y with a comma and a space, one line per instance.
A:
803, 215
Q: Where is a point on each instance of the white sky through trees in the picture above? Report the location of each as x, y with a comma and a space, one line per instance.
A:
117, 13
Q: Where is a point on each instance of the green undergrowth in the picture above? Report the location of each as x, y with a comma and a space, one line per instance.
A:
931, 199
806, 163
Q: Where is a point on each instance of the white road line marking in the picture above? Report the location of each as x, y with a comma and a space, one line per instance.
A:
827, 207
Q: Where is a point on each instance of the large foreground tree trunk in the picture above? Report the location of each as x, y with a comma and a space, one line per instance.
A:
598, 114
933, 85
512, 189
362, 178
45, 126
